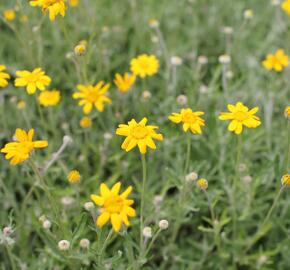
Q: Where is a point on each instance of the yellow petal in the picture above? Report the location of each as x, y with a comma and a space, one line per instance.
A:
103, 219
116, 222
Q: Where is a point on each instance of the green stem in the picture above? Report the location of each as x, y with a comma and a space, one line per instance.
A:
100, 257
10, 256
288, 148
188, 139
152, 241
144, 172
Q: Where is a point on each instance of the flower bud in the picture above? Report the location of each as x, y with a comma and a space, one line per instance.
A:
163, 224
63, 245
202, 60
248, 14
182, 100
147, 232
80, 49
7, 231
176, 61
202, 183
191, 177
89, 206
84, 243
46, 224
224, 59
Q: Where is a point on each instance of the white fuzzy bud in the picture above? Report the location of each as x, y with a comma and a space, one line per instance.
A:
224, 59
84, 243
7, 231
175, 61
89, 206
46, 224
67, 139
63, 245
147, 232
182, 100
191, 177
163, 224
202, 60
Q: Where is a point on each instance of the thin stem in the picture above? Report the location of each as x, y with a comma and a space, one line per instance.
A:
104, 246
288, 148
152, 241
144, 172
10, 256
187, 154
210, 206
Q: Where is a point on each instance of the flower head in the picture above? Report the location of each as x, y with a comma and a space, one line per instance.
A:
9, 15
92, 96
277, 61
287, 112
73, 176
138, 134
144, 65
54, 7
21, 149
49, 98
240, 116
114, 206
285, 180
125, 82
80, 49
33, 80
190, 120
202, 183
286, 6
85, 122
3, 76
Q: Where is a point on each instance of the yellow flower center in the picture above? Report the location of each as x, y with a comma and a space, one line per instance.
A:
144, 65
189, 117
32, 78
241, 116
114, 204
92, 97
139, 132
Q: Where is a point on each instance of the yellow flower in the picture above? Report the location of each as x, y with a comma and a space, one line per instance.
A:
144, 65
54, 7
32, 80
138, 134
93, 96
285, 180
286, 6
240, 115
125, 82
190, 120
115, 207
277, 61
287, 112
9, 15
21, 149
3, 76
21, 104
73, 176
85, 122
202, 183
49, 98
73, 3
80, 49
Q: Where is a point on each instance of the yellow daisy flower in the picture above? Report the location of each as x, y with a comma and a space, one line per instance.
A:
54, 7
202, 183
138, 134
74, 176
144, 65
115, 207
9, 15
93, 96
277, 61
85, 122
287, 112
21, 149
285, 180
36, 79
125, 82
49, 98
3, 76
190, 120
240, 116
285, 5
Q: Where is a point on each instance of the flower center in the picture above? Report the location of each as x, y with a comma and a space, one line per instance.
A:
241, 116
31, 78
189, 117
92, 97
114, 204
144, 65
139, 132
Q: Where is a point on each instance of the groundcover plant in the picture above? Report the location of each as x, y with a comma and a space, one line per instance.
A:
144, 134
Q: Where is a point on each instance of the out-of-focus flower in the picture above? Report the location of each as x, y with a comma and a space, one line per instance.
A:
73, 3
224, 59
182, 100
202, 183
54, 7
287, 112
21, 104
277, 61
125, 82
153, 23
9, 15
63, 245
3, 76
286, 6
285, 180
74, 176
85, 122
49, 98
248, 14
144, 65
176, 61
37, 79
163, 224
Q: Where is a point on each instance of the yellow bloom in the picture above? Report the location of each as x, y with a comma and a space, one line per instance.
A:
54, 7
73, 176
21, 104
287, 112
144, 65
125, 82
3, 76
21, 149
240, 115
73, 3
85, 122
115, 207
190, 120
93, 96
9, 15
285, 180
49, 98
202, 183
138, 134
286, 6
80, 49
32, 80
277, 61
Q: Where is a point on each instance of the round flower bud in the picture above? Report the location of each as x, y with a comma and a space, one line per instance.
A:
89, 206
229, 74
147, 232
157, 201
285, 180
224, 59
63, 245
202, 183
7, 231
42, 218
85, 122
275, 2
84, 243
163, 224
287, 112
182, 100
202, 60
242, 167
176, 61
74, 176
67, 139
191, 177
80, 49
146, 95
248, 14
153, 23
203, 89
108, 136
21, 104
154, 39
227, 30
247, 179
67, 201
46, 224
